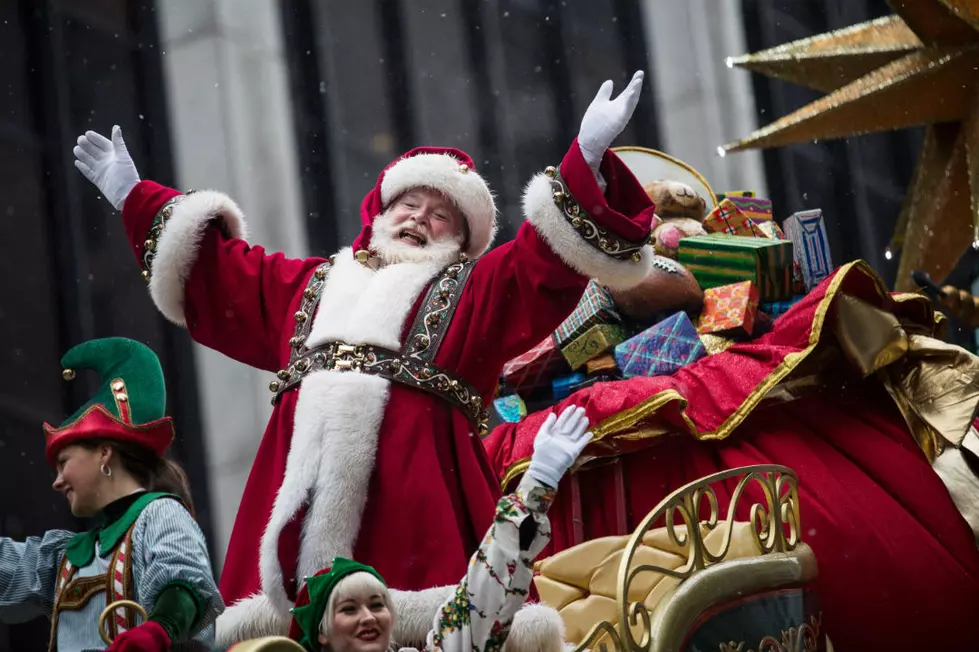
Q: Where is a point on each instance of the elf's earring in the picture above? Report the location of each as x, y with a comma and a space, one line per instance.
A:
106, 470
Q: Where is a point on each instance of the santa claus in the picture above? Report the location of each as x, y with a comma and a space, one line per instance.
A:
385, 354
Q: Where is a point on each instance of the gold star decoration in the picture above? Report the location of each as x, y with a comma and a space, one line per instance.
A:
917, 67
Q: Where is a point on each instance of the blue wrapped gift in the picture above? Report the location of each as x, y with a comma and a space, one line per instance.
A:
563, 386
779, 308
511, 408
661, 349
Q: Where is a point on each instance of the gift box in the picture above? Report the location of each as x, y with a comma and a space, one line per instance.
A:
728, 218
595, 307
754, 208
565, 385
779, 308
715, 343
719, 259
603, 364
535, 368
721, 196
510, 408
593, 380
729, 310
807, 231
771, 230
592, 343
661, 349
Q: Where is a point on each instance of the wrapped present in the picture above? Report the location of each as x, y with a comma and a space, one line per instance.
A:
535, 368
510, 408
715, 343
720, 259
771, 230
729, 310
563, 386
603, 364
779, 308
734, 193
595, 307
754, 208
592, 343
661, 349
592, 380
728, 218
807, 231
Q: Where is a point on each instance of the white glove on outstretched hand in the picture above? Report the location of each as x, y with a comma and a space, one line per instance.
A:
107, 164
606, 118
558, 443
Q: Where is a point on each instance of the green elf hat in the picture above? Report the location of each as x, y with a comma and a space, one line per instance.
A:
130, 405
312, 599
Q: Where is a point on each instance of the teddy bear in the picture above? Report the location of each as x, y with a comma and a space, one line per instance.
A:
681, 212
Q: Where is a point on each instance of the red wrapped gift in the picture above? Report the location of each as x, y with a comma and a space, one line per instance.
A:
535, 368
729, 310
728, 218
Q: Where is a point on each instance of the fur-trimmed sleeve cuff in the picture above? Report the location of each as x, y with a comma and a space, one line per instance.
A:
624, 212
175, 225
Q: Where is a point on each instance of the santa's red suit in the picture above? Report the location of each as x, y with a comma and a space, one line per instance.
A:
352, 464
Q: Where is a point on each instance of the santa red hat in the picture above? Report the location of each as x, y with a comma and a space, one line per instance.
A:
447, 170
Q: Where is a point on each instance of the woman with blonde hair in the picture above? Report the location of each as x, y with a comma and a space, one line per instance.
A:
347, 607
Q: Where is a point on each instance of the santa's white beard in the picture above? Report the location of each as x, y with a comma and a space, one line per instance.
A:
392, 250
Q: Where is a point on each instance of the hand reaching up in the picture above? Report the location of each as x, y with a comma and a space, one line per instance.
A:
606, 118
558, 443
107, 164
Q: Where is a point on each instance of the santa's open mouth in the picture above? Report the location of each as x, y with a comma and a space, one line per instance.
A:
412, 238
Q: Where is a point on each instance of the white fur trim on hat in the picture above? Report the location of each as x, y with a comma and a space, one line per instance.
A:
445, 173
541, 211
176, 250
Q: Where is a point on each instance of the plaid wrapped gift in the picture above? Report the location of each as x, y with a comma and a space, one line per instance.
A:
510, 408
594, 342
661, 349
779, 308
720, 259
807, 231
603, 364
535, 368
596, 307
728, 218
563, 386
729, 310
754, 208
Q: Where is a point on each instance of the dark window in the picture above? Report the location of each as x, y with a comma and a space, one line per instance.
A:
507, 81
67, 66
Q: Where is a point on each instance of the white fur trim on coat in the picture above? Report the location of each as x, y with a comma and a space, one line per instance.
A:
541, 211
415, 613
443, 172
536, 628
251, 617
176, 250
338, 417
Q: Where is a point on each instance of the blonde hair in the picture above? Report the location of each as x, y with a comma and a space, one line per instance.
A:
356, 585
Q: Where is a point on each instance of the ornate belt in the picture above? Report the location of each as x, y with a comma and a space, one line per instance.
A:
412, 367
383, 362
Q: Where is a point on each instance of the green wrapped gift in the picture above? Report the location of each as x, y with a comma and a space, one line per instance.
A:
721, 259
597, 340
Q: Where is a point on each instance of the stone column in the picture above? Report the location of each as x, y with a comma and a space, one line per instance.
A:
232, 130
700, 102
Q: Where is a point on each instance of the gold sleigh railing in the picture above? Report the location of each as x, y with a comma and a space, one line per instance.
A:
774, 527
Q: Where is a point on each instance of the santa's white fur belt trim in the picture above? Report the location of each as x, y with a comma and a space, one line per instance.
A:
178, 245
552, 225
460, 183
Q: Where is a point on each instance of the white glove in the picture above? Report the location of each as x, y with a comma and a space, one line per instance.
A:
558, 443
605, 119
107, 164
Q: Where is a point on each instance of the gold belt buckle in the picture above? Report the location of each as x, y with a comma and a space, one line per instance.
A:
348, 357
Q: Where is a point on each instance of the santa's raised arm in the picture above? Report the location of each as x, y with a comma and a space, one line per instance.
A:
386, 353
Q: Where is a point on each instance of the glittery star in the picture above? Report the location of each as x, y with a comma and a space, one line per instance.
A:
917, 67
